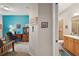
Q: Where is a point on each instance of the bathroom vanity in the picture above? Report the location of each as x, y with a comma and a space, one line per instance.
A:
71, 44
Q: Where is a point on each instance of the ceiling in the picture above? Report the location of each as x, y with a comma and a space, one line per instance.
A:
21, 8
63, 6
24, 8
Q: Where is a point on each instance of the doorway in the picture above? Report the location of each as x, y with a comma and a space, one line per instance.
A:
61, 29
56, 34
61, 37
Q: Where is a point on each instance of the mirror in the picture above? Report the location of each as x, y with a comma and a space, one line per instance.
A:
75, 25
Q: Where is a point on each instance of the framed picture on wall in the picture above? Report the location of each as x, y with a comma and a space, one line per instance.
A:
44, 24
18, 26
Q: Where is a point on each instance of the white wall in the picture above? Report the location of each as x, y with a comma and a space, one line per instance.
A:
33, 36
41, 38
45, 35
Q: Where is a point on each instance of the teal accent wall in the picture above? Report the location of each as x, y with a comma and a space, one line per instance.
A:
13, 20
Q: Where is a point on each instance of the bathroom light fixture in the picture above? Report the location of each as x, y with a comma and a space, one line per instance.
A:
75, 14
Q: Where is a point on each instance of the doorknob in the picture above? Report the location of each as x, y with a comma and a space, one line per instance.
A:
56, 40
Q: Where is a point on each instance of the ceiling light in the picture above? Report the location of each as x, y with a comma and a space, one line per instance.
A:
6, 8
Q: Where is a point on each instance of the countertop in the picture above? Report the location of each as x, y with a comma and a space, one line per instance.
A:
73, 36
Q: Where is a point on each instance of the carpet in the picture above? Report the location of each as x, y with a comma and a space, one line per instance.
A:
21, 49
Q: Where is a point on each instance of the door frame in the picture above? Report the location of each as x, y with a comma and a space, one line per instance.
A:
55, 30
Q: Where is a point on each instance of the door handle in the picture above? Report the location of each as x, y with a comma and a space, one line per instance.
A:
56, 41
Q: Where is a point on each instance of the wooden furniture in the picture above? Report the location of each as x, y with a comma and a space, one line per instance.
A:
71, 45
6, 48
24, 37
18, 36
76, 47
66, 42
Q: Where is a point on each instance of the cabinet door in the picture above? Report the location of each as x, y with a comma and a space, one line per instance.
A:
25, 38
71, 45
65, 42
76, 48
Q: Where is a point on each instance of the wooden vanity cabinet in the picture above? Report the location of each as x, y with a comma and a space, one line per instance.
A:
65, 42
69, 44
72, 45
76, 43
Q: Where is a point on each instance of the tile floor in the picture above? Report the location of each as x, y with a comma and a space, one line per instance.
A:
61, 49
63, 53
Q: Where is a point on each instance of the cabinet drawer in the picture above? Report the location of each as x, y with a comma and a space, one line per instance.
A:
76, 50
